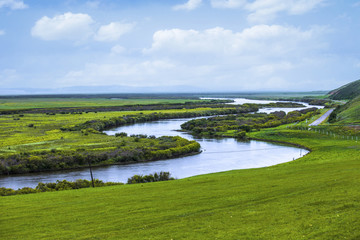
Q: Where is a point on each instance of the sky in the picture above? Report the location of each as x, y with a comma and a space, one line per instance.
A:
178, 45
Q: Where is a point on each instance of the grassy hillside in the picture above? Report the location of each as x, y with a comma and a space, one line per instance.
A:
348, 91
314, 197
349, 113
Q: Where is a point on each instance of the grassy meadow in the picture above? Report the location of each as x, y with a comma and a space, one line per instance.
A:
45, 134
29, 103
350, 113
43, 142
314, 197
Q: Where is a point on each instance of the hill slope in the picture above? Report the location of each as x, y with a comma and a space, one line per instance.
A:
348, 91
349, 113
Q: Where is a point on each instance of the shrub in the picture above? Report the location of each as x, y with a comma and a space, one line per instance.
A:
156, 177
58, 186
241, 135
121, 134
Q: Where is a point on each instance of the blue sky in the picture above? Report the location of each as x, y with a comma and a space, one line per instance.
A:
202, 45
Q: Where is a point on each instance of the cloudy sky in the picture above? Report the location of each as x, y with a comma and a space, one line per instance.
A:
209, 45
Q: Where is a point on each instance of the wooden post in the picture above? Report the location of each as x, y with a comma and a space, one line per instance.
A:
92, 179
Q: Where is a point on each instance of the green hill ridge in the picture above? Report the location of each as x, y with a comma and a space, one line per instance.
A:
348, 113
346, 92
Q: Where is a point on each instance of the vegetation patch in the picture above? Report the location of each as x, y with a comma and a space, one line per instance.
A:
63, 103
83, 183
348, 91
126, 150
346, 114
156, 177
103, 124
44, 147
57, 186
241, 123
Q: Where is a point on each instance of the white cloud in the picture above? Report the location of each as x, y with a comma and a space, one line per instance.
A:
262, 11
265, 10
78, 27
68, 26
260, 39
179, 40
259, 57
227, 3
2, 32
190, 5
303, 6
113, 31
13, 4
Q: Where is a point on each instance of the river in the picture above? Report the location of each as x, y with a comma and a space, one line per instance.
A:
240, 101
218, 155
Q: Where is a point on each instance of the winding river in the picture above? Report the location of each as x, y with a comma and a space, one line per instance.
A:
218, 155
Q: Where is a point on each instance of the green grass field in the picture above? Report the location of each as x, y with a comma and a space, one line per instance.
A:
17, 136
315, 197
35, 142
29, 103
351, 112
348, 91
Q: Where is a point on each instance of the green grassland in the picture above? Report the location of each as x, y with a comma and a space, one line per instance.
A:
348, 91
315, 197
29, 103
32, 142
350, 112
46, 133
38, 142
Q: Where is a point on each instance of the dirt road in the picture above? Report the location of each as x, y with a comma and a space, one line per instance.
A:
322, 118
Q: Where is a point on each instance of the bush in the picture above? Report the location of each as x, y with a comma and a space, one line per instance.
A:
241, 135
58, 186
156, 177
121, 134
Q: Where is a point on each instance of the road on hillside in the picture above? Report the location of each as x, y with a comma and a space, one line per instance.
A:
322, 118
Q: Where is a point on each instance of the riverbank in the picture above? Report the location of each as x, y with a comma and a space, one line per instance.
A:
310, 198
